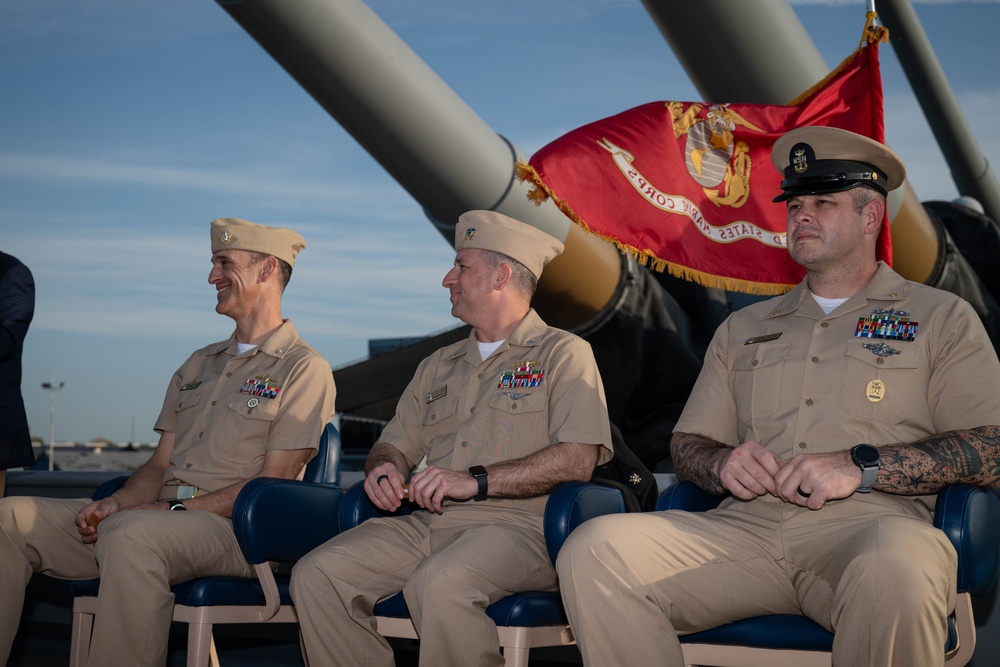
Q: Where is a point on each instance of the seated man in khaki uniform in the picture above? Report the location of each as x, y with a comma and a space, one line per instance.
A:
251, 406
501, 418
830, 416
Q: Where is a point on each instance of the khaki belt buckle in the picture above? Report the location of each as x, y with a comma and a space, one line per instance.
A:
185, 492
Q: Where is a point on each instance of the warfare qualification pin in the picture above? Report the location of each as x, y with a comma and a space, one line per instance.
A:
875, 391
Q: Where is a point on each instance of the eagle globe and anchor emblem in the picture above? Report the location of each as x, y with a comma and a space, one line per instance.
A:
714, 158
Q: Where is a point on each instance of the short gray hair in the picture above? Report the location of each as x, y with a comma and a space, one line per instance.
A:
524, 281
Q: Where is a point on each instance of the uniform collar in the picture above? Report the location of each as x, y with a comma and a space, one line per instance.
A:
527, 333
885, 285
277, 344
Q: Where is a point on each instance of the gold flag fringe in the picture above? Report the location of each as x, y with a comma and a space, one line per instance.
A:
540, 192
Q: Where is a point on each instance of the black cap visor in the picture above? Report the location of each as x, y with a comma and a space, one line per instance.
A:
830, 176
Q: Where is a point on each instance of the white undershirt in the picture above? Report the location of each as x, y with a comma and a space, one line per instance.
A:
486, 349
828, 305
244, 347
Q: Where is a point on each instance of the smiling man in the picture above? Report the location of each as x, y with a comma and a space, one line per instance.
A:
829, 416
250, 406
501, 418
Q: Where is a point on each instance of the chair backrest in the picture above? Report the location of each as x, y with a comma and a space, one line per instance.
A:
356, 507
324, 468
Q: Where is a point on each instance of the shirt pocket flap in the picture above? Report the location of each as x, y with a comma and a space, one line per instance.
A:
907, 357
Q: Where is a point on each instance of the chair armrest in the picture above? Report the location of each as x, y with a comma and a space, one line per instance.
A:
109, 487
282, 520
687, 496
357, 507
572, 503
970, 517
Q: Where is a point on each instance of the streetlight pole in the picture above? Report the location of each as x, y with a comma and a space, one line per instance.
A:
52, 388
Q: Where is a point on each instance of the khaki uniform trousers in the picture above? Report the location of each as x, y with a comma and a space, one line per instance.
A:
871, 568
139, 554
450, 567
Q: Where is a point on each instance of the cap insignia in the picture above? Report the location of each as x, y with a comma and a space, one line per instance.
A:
470, 233
226, 237
799, 161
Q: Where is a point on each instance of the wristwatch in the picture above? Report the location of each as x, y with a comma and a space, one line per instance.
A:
479, 472
866, 457
176, 505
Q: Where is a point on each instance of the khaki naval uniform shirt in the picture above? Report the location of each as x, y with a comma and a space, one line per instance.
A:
799, 381
228, 409
539, 388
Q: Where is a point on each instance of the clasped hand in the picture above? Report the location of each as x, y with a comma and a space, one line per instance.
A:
809, 480
427, 488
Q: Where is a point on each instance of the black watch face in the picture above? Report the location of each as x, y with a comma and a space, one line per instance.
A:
476, 471
865, 455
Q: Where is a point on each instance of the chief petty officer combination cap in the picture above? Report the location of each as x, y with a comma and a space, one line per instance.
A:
815, 160
236, 234
489, 230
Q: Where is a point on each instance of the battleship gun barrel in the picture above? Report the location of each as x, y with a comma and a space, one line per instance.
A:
426, 137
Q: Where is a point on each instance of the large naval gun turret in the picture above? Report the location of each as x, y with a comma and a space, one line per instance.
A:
648, 330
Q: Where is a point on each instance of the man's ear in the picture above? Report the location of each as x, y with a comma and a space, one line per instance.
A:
874, 212
504, 274
268, 268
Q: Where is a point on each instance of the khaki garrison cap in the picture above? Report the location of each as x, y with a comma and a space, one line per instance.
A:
489, 230
815, 160
236, 234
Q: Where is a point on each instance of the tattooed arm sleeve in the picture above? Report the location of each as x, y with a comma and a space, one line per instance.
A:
696, 459
966, 456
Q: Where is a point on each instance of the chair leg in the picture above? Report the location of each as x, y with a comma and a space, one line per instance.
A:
213, 654
965, 628
79, 643
201, 645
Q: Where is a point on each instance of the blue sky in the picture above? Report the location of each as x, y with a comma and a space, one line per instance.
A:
127, 125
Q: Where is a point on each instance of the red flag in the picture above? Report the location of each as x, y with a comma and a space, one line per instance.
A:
688, 185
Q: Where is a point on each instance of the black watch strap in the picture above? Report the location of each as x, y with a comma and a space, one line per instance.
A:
482, 479
176, 505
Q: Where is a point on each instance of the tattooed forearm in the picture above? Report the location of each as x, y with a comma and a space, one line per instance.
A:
696, 459
970, 456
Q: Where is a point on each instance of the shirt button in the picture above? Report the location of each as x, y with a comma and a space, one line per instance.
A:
480, 376
824, 324
213, 402
229, 375
809, 401
513, 406
880, 360
802, 445
201, 434
754, 362
187, 465
472, 409
815, 360
465, 444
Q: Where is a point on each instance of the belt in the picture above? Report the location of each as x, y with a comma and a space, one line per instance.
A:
179, 492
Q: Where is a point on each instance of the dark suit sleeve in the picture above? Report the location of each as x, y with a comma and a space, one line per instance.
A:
17, 307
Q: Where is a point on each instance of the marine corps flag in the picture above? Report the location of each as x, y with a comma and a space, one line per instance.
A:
687, 186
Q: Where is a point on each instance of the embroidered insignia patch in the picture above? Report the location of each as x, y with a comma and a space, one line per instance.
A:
887, 323
526, 374
262, 385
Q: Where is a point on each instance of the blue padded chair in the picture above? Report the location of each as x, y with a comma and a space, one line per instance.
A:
275, 520
524, 620
969, 516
